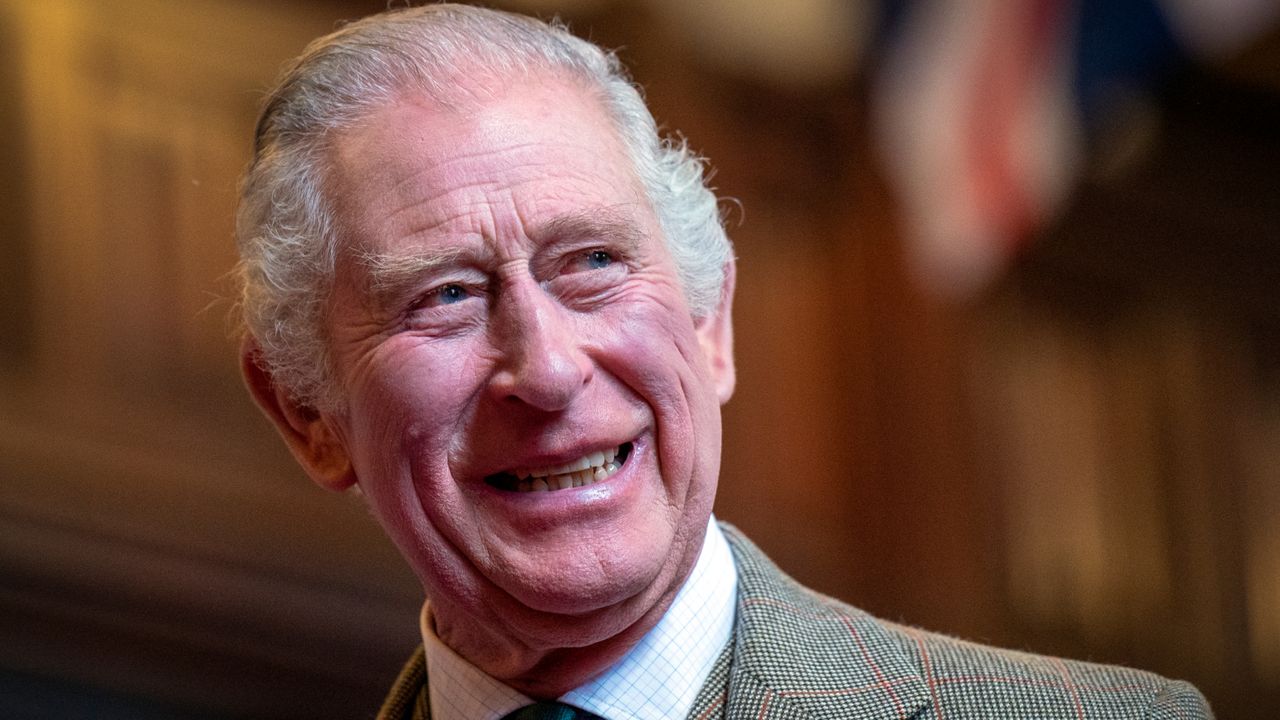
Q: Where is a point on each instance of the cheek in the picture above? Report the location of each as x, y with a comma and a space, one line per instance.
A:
411, 398
657, 353
658, 341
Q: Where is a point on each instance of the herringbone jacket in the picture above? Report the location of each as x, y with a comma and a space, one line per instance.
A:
798, 655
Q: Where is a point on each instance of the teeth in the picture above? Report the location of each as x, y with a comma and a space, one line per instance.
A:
586, 470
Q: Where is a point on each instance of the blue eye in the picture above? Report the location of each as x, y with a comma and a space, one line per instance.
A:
599, 259
451, 293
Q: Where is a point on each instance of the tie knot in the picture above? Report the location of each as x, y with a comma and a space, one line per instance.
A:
550, 711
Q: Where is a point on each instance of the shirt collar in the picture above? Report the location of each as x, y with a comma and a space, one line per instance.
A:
657, 679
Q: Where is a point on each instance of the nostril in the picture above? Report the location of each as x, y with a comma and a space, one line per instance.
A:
548, 380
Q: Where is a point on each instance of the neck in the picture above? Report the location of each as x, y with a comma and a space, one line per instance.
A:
545, 673
559, 671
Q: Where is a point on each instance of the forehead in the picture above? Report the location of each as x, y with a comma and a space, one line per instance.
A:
517, 156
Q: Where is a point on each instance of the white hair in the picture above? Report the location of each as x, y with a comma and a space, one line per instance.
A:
285, 227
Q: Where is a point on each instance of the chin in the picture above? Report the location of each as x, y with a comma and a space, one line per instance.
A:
581, 605
614, 621
588, 583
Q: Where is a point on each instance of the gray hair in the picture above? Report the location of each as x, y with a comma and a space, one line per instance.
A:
285, 227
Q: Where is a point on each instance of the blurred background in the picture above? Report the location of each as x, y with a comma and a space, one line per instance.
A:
1008, 339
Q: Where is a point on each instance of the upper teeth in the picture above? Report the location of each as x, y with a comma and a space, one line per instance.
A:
592, 460
586, 470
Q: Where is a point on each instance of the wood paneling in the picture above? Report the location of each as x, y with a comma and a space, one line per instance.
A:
157, 541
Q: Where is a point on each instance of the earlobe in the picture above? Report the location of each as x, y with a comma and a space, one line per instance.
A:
715, 334
309, 435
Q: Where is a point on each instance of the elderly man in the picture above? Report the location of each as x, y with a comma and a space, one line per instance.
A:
480, 288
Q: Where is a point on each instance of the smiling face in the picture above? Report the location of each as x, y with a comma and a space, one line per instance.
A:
531, 410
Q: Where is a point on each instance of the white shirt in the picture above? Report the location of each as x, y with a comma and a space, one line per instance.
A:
658, 679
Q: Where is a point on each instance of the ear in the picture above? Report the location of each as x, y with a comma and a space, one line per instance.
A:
715, 335
309, 434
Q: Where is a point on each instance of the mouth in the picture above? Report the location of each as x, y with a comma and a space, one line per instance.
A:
587, 470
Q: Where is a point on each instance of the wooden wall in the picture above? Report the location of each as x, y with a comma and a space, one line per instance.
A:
1084, 460
156, 541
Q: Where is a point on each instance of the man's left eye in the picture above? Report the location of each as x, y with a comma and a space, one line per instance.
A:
591, 270
598, 259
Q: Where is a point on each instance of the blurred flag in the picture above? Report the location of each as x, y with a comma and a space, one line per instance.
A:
982, 109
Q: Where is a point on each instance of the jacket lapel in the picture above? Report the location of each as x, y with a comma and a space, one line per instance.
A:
407, 699
798, 654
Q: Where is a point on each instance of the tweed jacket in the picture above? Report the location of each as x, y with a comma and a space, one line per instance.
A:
797, 655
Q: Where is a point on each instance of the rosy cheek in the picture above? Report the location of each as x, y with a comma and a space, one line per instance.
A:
417, 387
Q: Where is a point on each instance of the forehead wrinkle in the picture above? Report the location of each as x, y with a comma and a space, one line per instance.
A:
511, 157
459, 222
438, 193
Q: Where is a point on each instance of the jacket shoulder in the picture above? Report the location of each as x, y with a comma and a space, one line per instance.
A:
827, 659
967, 679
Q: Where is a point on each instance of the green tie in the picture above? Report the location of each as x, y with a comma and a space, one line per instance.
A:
550, 711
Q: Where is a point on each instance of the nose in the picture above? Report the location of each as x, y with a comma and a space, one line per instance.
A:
542, 363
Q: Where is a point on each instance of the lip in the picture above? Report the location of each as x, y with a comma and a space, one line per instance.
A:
600, 495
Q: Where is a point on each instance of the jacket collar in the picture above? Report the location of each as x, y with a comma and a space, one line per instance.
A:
798, 654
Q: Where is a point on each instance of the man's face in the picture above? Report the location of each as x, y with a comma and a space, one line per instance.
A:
506, 309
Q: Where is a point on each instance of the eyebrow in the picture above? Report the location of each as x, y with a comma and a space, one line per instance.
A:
607, 223
389, 276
